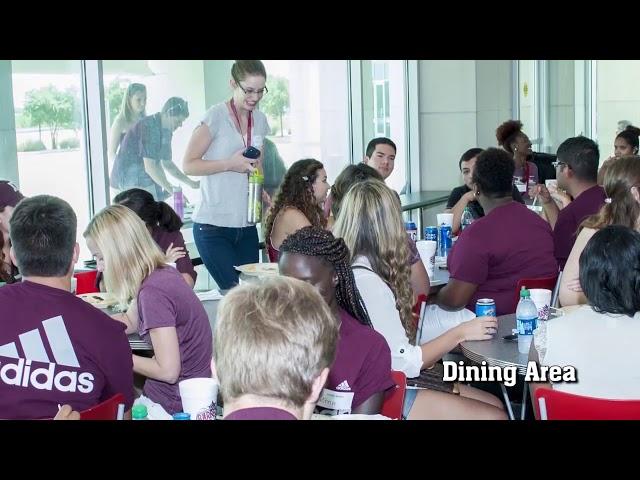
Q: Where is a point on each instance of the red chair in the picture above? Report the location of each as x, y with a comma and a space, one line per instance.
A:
422, 298
394, 401
86, 282
556, 405
547, 283
107, 410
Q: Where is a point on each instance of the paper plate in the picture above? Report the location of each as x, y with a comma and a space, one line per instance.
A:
259, 269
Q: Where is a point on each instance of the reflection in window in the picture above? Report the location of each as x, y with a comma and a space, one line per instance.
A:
168, 96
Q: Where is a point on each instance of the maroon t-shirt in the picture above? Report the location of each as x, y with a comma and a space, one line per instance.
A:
165, 238
362, 368
260, 413
569, 219
57, 349
494, 252
165, 300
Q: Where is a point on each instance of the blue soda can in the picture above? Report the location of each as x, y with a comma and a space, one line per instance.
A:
412, 230
431, 233
444, 240
486, 307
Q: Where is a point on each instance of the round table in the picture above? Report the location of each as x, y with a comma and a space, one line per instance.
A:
501, 353
498, 351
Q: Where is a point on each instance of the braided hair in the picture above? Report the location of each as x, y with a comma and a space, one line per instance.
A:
318, 242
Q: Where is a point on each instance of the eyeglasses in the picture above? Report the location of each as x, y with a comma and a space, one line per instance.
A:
557, 164
251, 91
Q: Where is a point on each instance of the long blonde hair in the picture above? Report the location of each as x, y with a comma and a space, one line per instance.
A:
370, 222
130, 254
621, 175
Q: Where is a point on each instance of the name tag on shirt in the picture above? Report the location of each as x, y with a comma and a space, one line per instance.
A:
337, 403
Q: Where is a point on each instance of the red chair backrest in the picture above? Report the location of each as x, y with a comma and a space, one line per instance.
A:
422, 298
548, 283
86, 282
394, 401
107, 410
556, 405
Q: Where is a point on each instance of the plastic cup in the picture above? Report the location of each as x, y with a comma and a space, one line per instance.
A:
199, 397
445, 218
542, 299
427, 251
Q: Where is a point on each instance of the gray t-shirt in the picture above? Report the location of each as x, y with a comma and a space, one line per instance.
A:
224, 194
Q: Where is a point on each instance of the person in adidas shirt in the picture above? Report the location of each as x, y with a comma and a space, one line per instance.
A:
159, 305
361, 373
54, 347
275, 342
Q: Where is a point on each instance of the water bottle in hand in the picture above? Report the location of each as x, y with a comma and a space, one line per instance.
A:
466, 219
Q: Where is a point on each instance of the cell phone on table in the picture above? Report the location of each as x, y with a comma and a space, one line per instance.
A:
513, 336
251, 152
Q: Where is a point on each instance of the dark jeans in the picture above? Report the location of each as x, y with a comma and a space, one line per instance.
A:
221, 248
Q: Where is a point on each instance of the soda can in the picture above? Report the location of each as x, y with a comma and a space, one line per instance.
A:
444, 240
431, 233
485, 307
412, 230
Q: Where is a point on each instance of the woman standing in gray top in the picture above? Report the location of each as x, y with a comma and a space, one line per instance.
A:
220, 229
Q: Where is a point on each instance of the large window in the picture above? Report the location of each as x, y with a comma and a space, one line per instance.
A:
158, 81
384, 93
308, 110
49, 133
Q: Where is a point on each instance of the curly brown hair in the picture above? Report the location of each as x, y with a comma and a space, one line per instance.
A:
297, 191
507, 133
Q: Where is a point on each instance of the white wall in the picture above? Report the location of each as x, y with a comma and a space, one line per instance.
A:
493, 94
447, 96
618, 99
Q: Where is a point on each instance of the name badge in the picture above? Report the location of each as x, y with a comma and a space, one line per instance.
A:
337, 402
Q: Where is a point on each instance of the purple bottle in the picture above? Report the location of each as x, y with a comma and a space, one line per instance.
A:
178, 202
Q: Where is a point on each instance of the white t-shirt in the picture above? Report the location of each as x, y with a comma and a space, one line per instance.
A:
381, 306
225, 194
602, 347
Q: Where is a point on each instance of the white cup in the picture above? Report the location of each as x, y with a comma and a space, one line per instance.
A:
445, 218
199, 397
542, 299
427, 251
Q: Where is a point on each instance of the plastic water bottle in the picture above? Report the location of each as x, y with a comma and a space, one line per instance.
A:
178, 202
467, 218
526, 320
139, 412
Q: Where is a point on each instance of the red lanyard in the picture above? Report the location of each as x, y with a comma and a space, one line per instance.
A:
526, 175
249, 124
